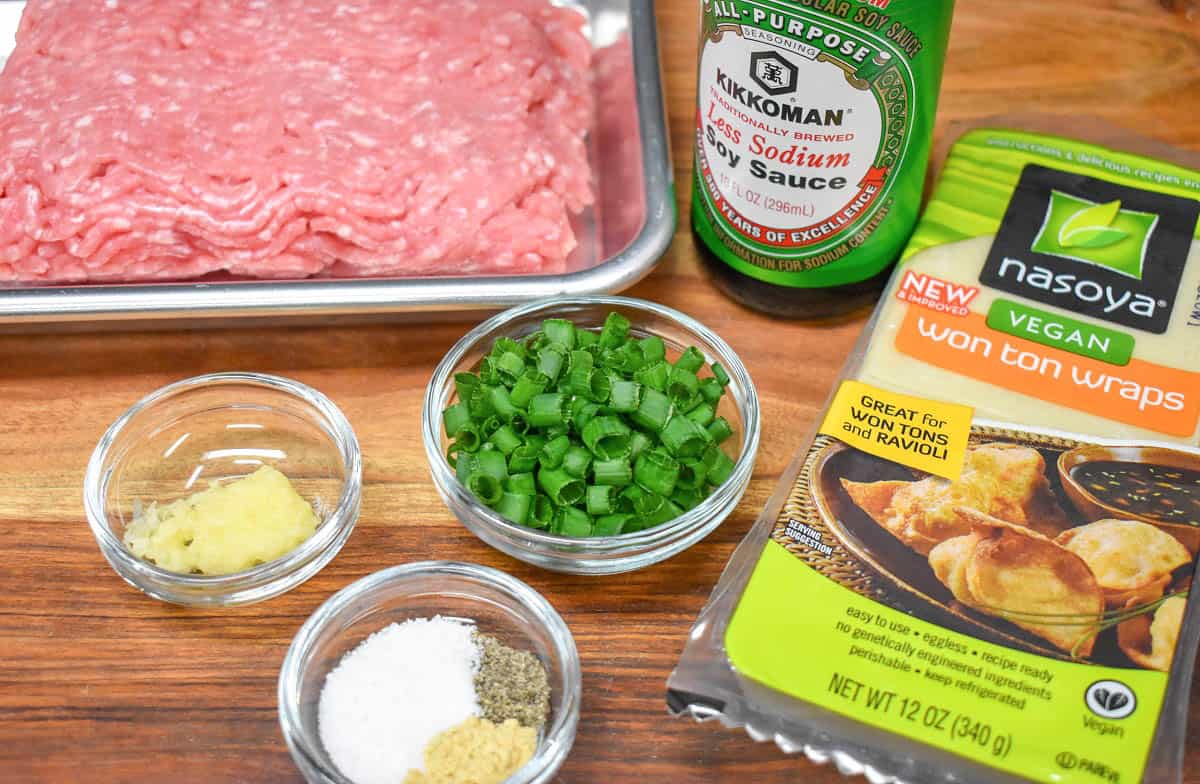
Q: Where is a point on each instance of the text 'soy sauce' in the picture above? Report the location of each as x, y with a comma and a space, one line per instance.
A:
813, 127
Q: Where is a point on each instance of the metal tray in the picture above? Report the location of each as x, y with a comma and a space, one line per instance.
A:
620, 239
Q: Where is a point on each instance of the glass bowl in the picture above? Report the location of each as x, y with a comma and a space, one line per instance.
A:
597, 555
499, 605
221, 426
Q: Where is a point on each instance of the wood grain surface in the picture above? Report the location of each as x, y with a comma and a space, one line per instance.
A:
101, 684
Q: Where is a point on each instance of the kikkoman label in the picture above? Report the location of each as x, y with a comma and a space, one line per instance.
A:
806, 116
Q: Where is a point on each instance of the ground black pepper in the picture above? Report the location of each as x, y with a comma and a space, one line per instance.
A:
511, 684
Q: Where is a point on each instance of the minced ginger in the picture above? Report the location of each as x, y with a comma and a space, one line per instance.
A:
476, 752
226, 528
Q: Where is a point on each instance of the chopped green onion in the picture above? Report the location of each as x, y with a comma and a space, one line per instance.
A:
559, 331
654, 375
615, 331
548, 409
607, 437
485, 487
627, 499
653, 349
576, 461
653, 412
532, 382
465, 384
691, 360
601, 499
501, 402
682, 385
523, 484
624, 396
578, 382
551, 360
492, 462
467, 438
617, 473
687, 497
506, 440
684, 438
711, 390
487, 371
610, 525
652, 509
630, 358
465, 467
566, 419
509, 366
721, 468
479, 403
691, 404
506, 345
608, 358
519, 424
702, 414
719, 429
490, 425
524, 458
600, 385
582, 413
569, 521
542, 513
562, 488
692, 475
638, 442
580, 360
514, 507
554, 451
656, 471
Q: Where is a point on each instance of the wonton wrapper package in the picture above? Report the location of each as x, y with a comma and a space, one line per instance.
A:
922, 601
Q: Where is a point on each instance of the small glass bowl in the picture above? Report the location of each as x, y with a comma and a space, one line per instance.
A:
222, 426
497, 603
608, 554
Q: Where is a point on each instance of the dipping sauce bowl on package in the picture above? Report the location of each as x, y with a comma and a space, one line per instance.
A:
980, 568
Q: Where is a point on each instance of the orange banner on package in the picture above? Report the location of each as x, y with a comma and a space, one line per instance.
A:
1140, 393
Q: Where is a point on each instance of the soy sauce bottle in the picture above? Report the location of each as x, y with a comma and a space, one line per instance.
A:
813, 126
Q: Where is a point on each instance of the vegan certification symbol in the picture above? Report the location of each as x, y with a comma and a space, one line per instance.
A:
1110, 699
772, 72
1096, 233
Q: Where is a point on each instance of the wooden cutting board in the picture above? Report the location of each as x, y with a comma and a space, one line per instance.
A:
100, 684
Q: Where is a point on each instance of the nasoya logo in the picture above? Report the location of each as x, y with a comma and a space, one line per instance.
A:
1093, 247
1101, 234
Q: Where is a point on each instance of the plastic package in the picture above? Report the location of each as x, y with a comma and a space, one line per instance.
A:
978, 568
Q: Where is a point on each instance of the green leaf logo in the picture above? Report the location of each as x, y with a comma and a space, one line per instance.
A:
1102, 234
1091, 227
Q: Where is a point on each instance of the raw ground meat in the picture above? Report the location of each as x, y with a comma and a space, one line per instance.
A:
168, 139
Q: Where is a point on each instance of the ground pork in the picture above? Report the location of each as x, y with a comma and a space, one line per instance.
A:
169, 139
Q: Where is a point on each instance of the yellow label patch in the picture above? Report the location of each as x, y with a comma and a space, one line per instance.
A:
928, 435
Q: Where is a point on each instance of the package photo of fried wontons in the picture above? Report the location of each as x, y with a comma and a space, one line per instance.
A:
981, 566
1001, 552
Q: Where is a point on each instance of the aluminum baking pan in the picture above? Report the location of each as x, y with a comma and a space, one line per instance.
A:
620, 240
